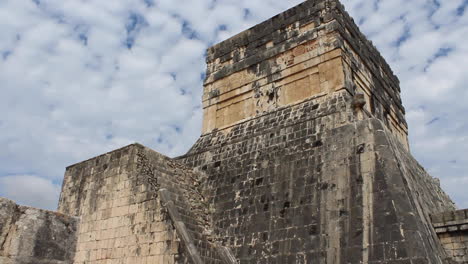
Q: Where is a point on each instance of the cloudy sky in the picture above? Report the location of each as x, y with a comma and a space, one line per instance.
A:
82, 77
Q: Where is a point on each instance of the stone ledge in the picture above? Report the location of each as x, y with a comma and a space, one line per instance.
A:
450, 217
451, 221
107, 153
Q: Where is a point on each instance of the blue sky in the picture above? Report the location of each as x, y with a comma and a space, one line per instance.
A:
82, 77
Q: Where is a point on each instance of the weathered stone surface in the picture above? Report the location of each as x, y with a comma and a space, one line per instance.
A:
305, 184
452, 229
305, 147
121, 216
303, 158
137, 205
313, 49
33, 236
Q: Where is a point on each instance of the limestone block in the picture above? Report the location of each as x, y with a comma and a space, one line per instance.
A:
299, 90
28, 234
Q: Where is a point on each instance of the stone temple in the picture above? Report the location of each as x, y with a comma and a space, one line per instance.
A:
303, 158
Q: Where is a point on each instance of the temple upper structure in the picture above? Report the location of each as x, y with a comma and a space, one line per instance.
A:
310, 51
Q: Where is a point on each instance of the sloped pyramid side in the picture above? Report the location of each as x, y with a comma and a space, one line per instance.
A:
401, 196
319, 187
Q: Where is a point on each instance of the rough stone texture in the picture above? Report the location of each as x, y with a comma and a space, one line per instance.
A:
33, 236
305, 147
313, 49
452, 229
303, 158
122, 215
303, 184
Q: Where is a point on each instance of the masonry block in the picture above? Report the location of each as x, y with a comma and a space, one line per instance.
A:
303, 158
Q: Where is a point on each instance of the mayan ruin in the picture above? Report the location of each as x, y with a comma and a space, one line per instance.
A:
303, 158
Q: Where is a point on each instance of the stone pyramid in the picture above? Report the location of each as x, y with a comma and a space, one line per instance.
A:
303, 158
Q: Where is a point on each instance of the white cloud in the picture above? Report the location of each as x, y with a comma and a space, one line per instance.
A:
431, 64
30, 190
72, 88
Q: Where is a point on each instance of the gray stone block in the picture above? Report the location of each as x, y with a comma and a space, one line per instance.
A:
29, 235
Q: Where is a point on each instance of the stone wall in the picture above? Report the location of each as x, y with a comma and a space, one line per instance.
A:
311, 50
181, 191
310, 183
283, 61
303, 158
34, 236
367, 72
124, 217
415, 195
452, 229
299, 168
122, 220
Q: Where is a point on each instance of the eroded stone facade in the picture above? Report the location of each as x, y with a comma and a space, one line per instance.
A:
34, 236
124, 220
138, 206
303, 158
309, 51
452, 229
120, 219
